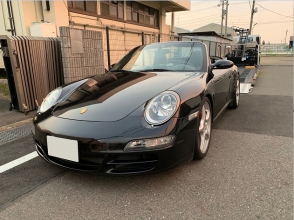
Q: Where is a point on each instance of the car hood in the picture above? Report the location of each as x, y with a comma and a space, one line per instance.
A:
113, 96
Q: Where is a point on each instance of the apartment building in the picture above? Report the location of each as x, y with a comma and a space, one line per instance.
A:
43, 18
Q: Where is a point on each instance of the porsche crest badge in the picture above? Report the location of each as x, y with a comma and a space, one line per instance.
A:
83, 110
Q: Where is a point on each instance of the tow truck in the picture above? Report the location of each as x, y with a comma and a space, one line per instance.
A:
245, 53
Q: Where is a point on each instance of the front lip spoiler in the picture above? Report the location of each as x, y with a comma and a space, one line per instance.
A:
43, 155
110, 171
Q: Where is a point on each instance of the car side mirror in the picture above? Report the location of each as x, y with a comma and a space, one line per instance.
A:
111, 66
210, 73
222, 64
213, 59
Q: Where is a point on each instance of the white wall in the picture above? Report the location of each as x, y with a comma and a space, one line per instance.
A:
31, 13
1, 61
4, 21
58, 14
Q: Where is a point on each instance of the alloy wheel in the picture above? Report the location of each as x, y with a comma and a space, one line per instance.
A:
205, 127
237, 91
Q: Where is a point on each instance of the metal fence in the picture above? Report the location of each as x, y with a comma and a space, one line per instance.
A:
276, 49
118, 42
122, 41
33, 67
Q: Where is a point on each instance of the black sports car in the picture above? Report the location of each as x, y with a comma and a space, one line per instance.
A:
153, 110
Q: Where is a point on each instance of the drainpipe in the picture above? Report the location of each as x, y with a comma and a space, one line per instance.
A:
11, 18
226, 25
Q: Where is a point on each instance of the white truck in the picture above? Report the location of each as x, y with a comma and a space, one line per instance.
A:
245, 48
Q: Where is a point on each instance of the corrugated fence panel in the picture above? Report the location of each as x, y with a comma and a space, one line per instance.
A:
35, 67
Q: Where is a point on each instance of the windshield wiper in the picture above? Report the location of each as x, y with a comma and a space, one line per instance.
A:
121, 70
156, 70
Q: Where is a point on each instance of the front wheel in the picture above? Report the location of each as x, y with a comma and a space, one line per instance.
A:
203, 130
236, 94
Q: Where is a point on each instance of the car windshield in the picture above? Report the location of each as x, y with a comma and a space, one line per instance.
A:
166, 56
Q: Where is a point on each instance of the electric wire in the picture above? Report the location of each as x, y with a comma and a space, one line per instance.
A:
274, 12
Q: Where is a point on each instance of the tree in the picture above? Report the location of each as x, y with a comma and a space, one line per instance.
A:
263, 42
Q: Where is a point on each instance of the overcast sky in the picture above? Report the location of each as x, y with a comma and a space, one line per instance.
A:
272, 20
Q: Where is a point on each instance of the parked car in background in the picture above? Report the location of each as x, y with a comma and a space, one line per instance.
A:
152, 111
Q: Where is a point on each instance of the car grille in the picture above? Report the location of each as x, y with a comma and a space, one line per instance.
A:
107, 163
132, 163
89, 164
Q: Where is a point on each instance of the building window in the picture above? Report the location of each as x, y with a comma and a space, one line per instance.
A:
112, 9
142, 14
88, 6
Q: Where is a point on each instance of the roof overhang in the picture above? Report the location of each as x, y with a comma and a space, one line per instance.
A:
204, 33
176, 5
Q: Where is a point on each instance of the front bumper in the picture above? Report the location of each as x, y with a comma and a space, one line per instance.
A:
107, 156
120, 162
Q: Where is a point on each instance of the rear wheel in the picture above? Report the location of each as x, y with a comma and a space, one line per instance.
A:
203, 130
236, 94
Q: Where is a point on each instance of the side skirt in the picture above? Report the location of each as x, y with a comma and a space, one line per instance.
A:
222, 110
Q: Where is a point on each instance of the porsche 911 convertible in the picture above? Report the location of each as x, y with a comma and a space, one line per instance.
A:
152, 111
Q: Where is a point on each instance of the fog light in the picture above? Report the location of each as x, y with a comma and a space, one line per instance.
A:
149, 144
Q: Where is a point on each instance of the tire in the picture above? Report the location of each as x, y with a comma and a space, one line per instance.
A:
203, 130
236, 94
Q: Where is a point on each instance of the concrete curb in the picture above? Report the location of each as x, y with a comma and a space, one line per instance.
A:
15, 125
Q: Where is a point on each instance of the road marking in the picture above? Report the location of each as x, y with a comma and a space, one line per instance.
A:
15, 125
18, 161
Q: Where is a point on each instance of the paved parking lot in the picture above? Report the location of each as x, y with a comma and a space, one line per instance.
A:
247, 173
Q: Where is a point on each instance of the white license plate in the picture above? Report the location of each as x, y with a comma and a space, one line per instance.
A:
63, 148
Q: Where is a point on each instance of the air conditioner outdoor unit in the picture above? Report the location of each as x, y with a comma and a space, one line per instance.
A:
43, 29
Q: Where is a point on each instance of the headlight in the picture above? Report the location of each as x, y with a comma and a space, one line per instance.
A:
50, 99
148, 144
162, 107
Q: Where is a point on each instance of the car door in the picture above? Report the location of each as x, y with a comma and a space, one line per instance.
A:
222, 79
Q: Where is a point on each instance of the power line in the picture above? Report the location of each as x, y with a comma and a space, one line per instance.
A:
197, 25
200, 20
272, 22
273, 11
202, 9
240, 3
201, 2
276, 22
207, 19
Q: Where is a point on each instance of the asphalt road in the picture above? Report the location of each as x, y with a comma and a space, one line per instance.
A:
247, 173
10, 117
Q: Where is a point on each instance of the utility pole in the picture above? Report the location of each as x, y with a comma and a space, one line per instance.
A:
222, 21
226, 25
286, 36
172, 26
251, 19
